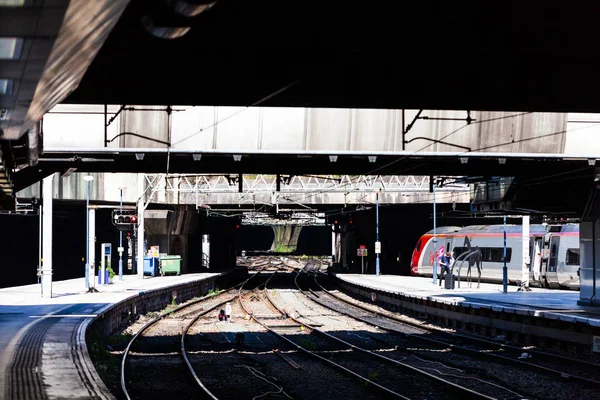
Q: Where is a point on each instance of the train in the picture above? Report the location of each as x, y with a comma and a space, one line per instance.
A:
553, 253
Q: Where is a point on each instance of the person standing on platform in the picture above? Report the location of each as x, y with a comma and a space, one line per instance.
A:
445, 263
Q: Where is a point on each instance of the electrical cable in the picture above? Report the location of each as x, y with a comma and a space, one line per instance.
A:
262, 376
255, 104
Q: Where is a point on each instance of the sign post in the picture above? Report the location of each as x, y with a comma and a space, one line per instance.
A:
362, 253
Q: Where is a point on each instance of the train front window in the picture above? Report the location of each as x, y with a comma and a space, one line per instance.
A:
419, 245
572, 257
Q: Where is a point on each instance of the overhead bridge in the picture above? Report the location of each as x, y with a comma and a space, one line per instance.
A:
290, 191
532, 148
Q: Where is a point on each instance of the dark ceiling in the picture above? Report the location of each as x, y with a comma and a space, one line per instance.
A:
536, 56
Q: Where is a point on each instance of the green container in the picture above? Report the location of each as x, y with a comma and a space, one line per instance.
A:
170, 265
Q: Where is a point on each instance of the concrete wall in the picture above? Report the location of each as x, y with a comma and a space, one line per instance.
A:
522, 328
119, 314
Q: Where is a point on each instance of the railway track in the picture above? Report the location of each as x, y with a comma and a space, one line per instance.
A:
371, 365
349, 357
555, 365
209, 303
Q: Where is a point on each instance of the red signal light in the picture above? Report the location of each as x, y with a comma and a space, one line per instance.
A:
133, 219
335, 222
350, 222
237, 227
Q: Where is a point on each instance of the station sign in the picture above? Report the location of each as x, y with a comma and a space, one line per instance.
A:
377, 247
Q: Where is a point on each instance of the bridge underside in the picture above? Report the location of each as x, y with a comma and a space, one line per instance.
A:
535, 188
435, 55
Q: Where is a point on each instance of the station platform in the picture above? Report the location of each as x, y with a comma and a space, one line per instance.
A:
516, 312
42, 346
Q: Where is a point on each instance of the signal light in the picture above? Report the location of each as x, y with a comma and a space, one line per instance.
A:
237, 227
124, 220
335, 222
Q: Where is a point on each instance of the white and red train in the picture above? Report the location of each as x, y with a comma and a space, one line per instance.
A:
554, 253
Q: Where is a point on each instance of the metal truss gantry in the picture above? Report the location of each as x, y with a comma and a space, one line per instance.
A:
253, 191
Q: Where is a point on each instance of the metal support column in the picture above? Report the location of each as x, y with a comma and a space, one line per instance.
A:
504, 268
403, 130
47, 237
435, 264
88, 265
105, 125
377, 243
140, 235
121, 240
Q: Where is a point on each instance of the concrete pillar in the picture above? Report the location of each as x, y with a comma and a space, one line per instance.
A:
589, 247
47, 237
206, 251
140, 235
589, 260
526, 258
333, 244
345, 244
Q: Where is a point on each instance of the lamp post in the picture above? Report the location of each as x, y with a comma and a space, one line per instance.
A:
121, 188
87, 179
377, 244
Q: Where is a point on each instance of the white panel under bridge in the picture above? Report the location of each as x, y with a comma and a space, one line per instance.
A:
276, 129
254, 191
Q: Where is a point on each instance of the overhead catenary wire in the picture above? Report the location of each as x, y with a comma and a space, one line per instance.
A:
255, 104
464, 153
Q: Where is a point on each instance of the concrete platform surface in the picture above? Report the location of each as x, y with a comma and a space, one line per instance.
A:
546, 303
41, 352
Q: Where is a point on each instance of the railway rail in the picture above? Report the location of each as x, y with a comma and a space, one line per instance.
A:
354, 355
344, 352
211, 303
559, 366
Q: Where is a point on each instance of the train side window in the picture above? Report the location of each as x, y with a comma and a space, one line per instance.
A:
447, 247
458, 251
572, 257
419, 245
488, 254
495, 254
